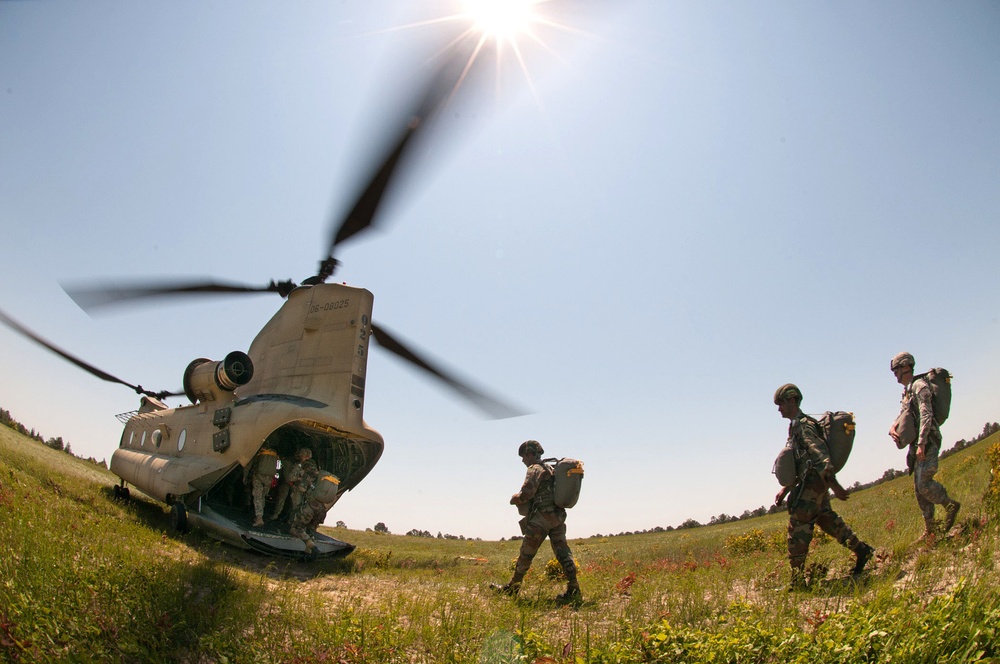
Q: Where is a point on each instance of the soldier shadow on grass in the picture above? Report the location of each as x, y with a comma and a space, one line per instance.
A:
842, 584
540, 602
153, 516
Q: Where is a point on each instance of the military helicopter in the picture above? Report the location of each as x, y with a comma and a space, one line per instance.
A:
301, 384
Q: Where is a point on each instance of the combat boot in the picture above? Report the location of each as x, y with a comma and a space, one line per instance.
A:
864, 554
572, 593
951, 511
930, 533
511, 588
797, 583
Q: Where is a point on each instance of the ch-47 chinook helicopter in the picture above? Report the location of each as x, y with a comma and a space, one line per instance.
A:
300, 385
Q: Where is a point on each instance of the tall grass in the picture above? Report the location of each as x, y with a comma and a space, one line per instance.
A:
84, 578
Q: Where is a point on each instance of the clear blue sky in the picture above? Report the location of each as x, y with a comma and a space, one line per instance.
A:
682, 206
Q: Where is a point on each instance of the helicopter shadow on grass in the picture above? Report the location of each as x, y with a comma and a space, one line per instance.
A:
153, 516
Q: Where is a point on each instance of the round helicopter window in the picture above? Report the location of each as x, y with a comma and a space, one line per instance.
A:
181, 439
157, 437
142, 441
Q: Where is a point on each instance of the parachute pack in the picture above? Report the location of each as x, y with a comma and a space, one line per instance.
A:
838, 432
940, 382
905, 426
568, 475
326, 488
837, 428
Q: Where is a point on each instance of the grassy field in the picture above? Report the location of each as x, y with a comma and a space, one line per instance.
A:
84, 578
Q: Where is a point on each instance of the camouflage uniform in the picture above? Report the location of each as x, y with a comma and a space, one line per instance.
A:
299, 478
312, 511
543, 518
260, 478
809, 505
918, 400
284, 488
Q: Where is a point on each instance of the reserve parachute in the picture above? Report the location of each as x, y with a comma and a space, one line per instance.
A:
568, 476
784, 467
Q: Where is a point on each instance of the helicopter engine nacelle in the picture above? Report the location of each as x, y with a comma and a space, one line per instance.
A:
207, 380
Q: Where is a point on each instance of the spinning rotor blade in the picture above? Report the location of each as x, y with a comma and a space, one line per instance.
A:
363, 215
17, 327
99, 296
493, 407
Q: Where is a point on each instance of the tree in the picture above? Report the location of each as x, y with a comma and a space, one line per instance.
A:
380, 528
341, 524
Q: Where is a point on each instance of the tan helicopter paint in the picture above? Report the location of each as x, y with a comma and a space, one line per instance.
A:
310, 363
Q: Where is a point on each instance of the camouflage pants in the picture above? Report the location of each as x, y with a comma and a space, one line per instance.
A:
287, 492
929, 491
536, 528
260, 485
812, 508
309, 516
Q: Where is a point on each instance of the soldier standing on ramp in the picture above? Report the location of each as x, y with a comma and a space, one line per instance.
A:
922, 458
542, 518
300, 478
809, 505
260, 475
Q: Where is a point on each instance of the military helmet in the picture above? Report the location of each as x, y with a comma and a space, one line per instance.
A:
304, 453
530, 447
901, 360
787, 391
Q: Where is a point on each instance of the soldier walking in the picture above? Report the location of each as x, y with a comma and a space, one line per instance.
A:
542, 518
313, 509
300, 478
922, 458
809, 504
284, 488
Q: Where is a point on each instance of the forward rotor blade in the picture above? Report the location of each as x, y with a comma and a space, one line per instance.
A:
89, 368
493, 407
98, 296
363, 215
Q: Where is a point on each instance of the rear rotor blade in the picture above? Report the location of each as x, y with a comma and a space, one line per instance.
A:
98, 296
89, 368
492, 406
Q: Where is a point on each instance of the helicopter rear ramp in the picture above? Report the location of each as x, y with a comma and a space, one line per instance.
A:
270, 539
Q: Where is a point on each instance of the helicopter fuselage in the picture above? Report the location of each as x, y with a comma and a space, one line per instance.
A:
307, 390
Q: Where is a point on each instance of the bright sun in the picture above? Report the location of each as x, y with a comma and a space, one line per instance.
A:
501, 20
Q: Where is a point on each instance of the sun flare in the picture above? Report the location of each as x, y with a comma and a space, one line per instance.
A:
501, 20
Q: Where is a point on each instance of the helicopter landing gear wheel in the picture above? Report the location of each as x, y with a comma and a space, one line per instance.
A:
116, 491
179, 517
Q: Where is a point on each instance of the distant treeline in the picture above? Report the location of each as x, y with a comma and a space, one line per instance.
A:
988, 430
55, 443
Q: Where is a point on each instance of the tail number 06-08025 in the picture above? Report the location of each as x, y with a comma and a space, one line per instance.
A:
329, 306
